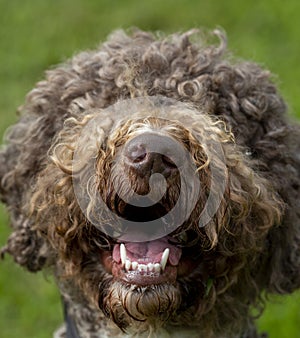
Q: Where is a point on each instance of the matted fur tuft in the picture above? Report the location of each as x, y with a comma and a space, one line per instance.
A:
250, 246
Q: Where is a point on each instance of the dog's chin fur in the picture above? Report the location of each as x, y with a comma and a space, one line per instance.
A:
73, 128
140, 309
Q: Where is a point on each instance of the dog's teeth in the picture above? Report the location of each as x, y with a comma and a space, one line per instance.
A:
142, 267
134, 265
157, 267
164, 258
127, 264
150, 267
123, 254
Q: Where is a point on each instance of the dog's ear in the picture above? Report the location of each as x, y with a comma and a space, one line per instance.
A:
20, 161
24, 244
275, 142
281, 154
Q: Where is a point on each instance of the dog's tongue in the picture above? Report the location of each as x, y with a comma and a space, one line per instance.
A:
149, 251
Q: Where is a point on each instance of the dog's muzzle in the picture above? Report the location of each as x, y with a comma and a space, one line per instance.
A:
147, 254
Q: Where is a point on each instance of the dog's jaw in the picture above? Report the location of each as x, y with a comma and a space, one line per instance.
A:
146, 283
143, 264
149, 263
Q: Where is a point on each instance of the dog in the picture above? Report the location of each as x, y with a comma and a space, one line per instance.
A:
158, 179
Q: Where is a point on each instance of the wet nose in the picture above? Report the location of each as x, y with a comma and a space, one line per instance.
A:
152, 153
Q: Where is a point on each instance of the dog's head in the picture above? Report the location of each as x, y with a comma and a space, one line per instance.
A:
166, 212
155, 211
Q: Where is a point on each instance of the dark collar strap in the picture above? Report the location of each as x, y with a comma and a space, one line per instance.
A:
71, 328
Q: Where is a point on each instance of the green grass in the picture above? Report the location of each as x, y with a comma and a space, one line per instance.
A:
36, 34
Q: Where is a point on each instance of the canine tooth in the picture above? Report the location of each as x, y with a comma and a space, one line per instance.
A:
123, 254
134, 265
164, 258
127, 264
157, 267
150, 266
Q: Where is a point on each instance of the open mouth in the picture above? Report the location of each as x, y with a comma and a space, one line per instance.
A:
148, 263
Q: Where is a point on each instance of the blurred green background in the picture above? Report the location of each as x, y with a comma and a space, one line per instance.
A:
35, 34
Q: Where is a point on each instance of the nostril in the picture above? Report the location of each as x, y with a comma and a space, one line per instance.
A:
168, 162
139, 158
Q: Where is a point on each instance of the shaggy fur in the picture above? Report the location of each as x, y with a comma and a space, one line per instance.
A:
249, 247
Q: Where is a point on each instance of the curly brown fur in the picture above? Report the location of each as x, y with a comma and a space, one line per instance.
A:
250, 246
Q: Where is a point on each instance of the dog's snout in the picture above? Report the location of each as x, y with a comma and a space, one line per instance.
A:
152, 153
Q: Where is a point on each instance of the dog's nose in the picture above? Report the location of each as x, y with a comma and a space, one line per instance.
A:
152, 153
